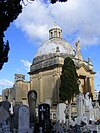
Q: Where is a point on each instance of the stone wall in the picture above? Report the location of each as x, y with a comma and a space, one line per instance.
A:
46, 84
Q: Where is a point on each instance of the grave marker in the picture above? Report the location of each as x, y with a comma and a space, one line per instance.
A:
23, 122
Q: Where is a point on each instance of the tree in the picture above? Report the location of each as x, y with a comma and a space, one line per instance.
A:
9, 11
69, 86
4, 49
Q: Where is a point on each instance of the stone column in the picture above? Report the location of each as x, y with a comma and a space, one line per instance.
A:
92, 86
88, 85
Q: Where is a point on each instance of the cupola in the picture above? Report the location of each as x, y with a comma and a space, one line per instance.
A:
55, 31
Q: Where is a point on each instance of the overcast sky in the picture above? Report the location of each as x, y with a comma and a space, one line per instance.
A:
79, 20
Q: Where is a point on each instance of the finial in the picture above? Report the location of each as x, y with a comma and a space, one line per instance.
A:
55, 24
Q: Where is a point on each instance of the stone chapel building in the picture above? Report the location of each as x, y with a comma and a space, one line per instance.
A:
46, 69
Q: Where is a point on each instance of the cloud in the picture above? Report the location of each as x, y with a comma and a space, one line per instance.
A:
6, 83
26, 64
73, 15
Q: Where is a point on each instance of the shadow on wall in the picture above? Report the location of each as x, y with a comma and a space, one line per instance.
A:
55, 93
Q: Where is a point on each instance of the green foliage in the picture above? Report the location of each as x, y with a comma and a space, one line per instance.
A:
4, 49
69, 86
9, 11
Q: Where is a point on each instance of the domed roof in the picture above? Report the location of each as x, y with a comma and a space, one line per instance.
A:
55, 45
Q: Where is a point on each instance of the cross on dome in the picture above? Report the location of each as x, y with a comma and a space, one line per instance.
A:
55, 26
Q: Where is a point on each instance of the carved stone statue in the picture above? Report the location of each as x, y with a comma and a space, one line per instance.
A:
32, 97
88, 100
78, 45
78, 53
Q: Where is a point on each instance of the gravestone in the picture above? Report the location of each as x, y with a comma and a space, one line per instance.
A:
44, 117
15, 116
80, 105
61, 112
23, 120
4, 115
97, 111
32, 97
6, 104
89, 110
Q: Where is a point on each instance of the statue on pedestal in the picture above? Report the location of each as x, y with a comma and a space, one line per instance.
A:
78, 53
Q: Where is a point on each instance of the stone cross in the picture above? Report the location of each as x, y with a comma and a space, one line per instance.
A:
42, 110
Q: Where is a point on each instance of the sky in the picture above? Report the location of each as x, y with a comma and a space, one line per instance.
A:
79, 20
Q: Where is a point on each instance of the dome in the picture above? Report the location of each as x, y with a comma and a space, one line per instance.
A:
55, 45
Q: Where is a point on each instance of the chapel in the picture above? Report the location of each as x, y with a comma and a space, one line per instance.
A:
47, 64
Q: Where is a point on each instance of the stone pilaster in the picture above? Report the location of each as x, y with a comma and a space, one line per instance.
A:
92, 86
41, 99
